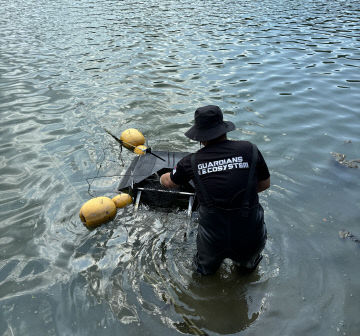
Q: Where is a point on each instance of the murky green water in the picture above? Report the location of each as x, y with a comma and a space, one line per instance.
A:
287, 73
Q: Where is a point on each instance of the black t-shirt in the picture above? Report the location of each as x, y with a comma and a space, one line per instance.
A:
223, 169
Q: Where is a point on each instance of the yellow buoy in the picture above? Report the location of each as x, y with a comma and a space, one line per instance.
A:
140, 150
132, 138
122, 200
97, 211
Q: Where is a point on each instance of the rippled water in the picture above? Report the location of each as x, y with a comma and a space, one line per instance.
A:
285, 72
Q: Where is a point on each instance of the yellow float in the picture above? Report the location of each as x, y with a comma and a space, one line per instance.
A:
140, 150
100, 210
132, 138
97, 211
122, 200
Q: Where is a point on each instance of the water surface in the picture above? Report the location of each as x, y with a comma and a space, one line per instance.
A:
285, 72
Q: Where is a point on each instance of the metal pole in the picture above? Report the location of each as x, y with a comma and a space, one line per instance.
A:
167, 191
138, 195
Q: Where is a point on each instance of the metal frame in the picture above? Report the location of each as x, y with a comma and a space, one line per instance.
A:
190, 204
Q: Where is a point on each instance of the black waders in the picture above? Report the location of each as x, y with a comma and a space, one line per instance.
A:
238, 234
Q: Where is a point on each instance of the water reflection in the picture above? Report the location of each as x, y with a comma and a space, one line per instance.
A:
153, 276
217, 303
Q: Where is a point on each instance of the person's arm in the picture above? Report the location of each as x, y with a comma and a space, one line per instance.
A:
166, 181
263, 174
263, 185
180, 175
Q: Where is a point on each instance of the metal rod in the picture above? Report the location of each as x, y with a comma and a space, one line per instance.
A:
148, 150
188, 219
167, 191
132, 179
113, 136
191, 202
138, 195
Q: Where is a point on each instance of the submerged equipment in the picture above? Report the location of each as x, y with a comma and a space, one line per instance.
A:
142, 181
100, 210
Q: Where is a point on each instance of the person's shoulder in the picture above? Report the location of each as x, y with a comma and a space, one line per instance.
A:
186, 160
187, 157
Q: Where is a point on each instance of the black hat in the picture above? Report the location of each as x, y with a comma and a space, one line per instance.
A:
209, 124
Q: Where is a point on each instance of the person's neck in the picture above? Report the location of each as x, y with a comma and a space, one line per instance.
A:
214, 141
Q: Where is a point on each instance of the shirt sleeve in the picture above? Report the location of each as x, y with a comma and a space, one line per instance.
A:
262, 170
182, 172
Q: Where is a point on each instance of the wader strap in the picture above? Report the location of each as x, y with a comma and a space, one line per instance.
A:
202, 191
251, 182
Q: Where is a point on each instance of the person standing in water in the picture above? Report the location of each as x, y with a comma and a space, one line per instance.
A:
228, 175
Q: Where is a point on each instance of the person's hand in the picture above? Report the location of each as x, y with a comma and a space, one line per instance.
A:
166, 181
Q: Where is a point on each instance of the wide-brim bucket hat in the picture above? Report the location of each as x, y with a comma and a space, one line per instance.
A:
209, 124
